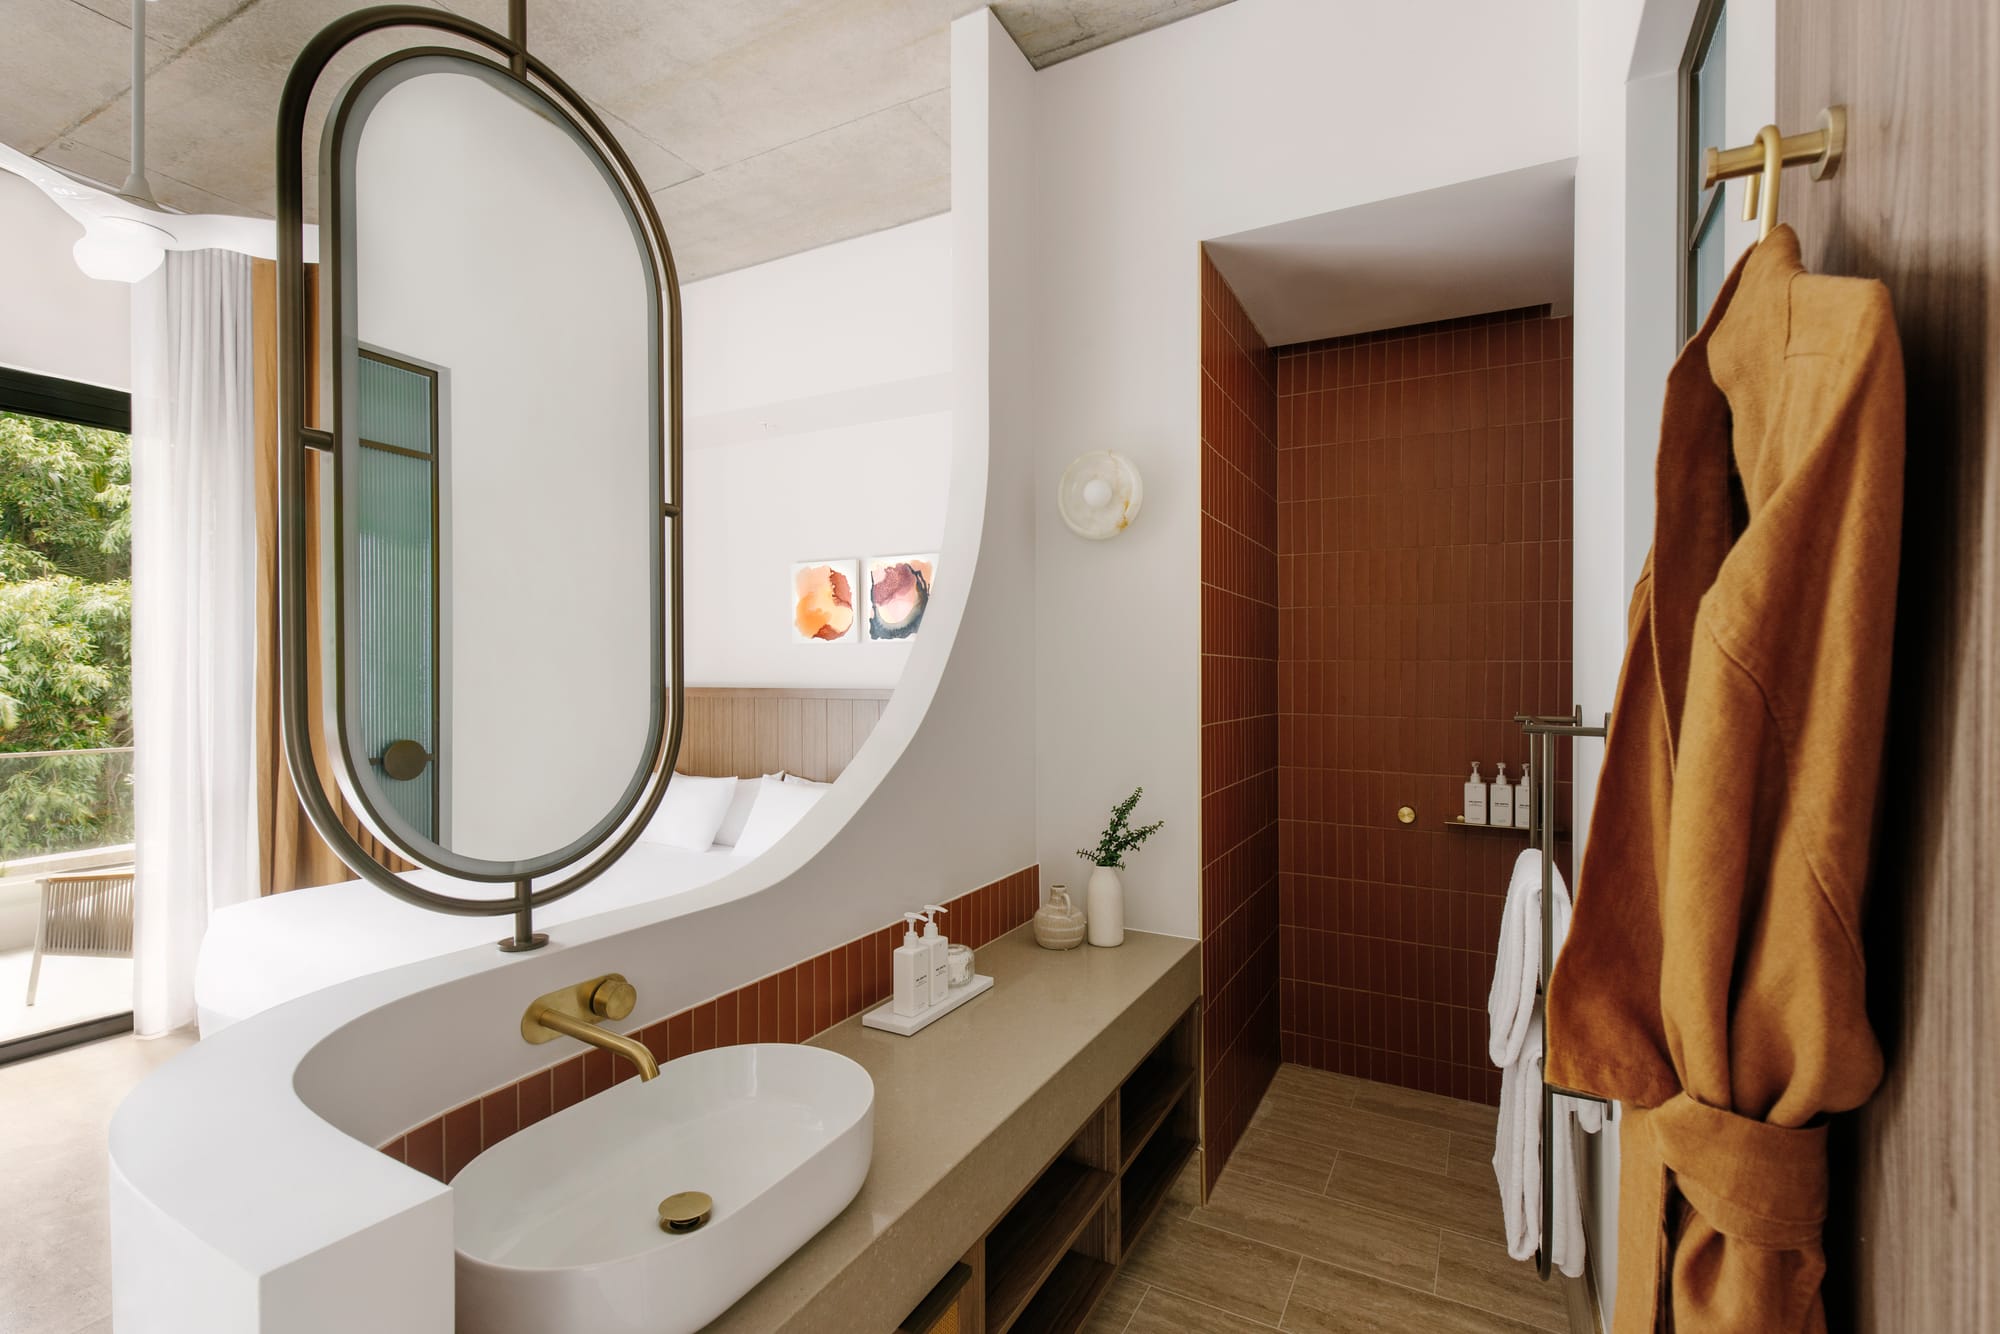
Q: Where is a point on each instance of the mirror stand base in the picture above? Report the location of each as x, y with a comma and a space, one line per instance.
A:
525, 936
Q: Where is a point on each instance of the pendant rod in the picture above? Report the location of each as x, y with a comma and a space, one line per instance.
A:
136, 188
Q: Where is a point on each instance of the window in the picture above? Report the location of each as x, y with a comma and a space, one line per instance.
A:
1702, 80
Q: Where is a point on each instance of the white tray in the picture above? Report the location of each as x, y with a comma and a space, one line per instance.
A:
885, 1017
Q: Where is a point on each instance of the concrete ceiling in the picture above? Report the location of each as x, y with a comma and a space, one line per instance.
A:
762, 127
1498, 243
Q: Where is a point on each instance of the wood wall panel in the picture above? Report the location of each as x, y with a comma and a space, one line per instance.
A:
1914, 1237
745, 733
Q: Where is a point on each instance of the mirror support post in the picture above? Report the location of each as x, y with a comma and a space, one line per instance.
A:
525, 936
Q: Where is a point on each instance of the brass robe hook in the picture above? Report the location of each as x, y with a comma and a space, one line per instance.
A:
1763, 162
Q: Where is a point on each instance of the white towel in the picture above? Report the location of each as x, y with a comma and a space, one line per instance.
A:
1515, 1044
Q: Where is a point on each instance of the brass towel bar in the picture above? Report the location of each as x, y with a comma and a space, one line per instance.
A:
1764, 162
1543, 733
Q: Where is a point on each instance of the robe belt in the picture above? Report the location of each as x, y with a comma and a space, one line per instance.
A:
1748, 1179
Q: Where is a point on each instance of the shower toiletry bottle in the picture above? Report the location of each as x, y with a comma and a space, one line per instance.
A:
939, 955
912, 971
1500, 801
1475, 797
1524, 797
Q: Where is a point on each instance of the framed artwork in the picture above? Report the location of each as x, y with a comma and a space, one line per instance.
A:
899, 593
826, 602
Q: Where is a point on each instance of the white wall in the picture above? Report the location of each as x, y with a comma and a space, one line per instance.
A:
545, 645
53, 320
1250, 114
1627, 282
819, 425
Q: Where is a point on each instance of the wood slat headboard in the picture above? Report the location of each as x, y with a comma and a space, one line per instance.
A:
746, 733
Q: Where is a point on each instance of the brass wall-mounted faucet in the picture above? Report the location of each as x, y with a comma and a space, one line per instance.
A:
575, 1011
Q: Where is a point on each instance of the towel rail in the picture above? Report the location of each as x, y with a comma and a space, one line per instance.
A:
1543, 733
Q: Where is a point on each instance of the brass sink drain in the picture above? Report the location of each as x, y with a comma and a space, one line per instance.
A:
686, 1211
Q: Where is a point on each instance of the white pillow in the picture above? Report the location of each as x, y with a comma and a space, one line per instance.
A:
691, 812
779, 806
804, 782
739, 811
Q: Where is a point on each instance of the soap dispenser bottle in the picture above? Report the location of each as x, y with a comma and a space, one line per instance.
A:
939, 951
1500, 802
1475, 797
912, 971
1524, 798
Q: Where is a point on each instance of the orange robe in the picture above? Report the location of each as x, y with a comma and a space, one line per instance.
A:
1712, 980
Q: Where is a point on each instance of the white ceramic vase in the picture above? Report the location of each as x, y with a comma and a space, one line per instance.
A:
1104, 906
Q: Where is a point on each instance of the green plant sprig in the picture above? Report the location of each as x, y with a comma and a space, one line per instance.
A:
1119, 836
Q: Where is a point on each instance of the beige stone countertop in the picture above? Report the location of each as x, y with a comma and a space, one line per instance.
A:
966, 1113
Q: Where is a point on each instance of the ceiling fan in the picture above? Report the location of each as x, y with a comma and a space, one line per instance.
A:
127, 233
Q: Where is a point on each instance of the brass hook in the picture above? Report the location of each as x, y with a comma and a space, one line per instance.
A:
1762, 162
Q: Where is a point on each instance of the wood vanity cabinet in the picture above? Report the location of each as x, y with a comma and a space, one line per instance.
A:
1043, 1265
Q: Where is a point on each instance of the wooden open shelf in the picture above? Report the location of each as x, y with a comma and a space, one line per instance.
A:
1065, 1301
1144, 1186
1043, 1266
1028, 1244
1144, 1101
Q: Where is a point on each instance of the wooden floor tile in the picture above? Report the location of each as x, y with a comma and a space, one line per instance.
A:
1472, 1160
1329, 1300
1113, 1311
1221, 1269
1318, 1083
1264, 1152
1323, 1228
1482, 1274
1185, 1194
1164, 1313
1285, 1112
1424, 1197
1430, 1109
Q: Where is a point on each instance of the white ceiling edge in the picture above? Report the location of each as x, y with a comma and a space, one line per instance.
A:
1497, 243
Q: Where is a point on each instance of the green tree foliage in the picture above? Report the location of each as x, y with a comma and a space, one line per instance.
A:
65, 633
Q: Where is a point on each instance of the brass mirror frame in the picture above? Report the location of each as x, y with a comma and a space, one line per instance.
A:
591, 855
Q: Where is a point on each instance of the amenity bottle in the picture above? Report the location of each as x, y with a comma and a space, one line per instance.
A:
912, 971
1475, 797
938, 951
1500, 801
1524, 796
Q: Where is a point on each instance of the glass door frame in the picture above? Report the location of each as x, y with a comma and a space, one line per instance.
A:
30, 394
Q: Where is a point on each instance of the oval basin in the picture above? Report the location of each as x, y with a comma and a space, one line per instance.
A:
557, 1227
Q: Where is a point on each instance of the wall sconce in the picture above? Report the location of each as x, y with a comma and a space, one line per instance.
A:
1099, 495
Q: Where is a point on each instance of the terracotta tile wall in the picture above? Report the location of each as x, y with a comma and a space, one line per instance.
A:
1424, 547
789, 1006
1239, 717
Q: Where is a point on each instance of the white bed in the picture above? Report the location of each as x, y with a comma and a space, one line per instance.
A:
271, 950
263, 953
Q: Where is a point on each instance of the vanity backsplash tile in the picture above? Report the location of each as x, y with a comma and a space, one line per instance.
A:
788, 1006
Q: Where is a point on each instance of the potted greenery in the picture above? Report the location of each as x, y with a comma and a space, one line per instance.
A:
1105, 895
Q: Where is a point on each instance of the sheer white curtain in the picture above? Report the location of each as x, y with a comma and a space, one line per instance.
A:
193, 618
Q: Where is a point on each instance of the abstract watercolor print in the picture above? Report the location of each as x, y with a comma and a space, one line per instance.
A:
899, 592
824, 602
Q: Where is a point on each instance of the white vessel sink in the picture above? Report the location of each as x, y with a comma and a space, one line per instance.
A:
558, 1228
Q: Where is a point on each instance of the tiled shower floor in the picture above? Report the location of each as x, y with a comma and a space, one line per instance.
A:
1348, 1206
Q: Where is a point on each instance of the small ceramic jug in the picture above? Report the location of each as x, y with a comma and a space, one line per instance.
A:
1058, 926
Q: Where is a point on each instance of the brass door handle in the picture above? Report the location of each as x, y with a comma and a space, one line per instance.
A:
403, 760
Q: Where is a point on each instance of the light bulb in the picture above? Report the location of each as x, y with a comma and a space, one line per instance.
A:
119, 250
1097, 493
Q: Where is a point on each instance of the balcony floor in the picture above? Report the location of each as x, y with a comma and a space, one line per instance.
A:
72, 991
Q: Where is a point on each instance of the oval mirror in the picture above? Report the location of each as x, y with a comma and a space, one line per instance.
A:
500, 476
497, 531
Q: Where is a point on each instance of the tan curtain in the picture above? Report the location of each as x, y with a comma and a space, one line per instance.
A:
291, 853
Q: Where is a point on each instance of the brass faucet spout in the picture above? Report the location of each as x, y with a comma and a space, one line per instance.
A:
615, 1043
574, 1011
